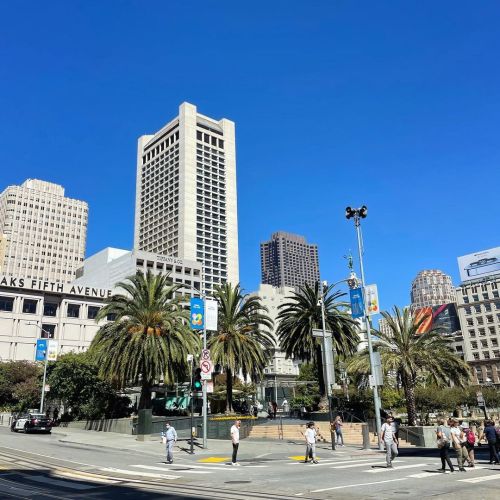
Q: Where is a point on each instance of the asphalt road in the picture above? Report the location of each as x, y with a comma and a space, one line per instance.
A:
41, 466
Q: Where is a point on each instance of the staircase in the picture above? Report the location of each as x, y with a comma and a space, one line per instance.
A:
352, 433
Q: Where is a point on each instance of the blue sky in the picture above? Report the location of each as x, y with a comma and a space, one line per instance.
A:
395, 105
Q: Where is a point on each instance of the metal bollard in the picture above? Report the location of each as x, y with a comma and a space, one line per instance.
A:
366, 437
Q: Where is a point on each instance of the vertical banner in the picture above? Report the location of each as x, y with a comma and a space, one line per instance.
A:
211, 314
357, 309
197, 313
52, 350
372, 303
41, 349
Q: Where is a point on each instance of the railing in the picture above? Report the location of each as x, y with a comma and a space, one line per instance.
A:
407, 432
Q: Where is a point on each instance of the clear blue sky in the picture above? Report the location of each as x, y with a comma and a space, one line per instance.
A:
392, 104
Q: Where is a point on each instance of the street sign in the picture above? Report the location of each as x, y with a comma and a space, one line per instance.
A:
357, 308
210, 386
205, 355
47, 388
319, 333
52, 350
206, 370
372, 303
197, 313
41, 349
211, 314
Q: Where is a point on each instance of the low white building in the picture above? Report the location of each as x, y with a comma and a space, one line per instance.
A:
31, 309
110, 266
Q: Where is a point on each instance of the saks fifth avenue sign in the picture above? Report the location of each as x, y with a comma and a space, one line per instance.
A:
52, 286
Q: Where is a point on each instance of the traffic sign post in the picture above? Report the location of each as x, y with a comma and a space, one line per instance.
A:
206, 370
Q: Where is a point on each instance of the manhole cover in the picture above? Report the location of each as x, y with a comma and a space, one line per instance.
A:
236, 482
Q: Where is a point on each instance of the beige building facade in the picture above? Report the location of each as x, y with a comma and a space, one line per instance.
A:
42, 232
432, 287
31, 309
186, 202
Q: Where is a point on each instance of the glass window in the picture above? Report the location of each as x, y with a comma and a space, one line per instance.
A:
29, 306
6, 304
73, 310
111, 317
92, 312
49, 309
48, 331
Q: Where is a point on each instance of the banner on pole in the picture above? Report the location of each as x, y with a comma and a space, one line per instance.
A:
372, 303
211, 314
357, 309
52, 350
197, 313
41, 349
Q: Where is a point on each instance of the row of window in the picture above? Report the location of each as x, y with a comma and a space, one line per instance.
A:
480, 320
30, 306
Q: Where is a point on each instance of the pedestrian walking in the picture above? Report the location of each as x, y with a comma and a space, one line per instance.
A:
169, 437
270, 410
338, 424
470, 441
458, 440
235, 439
443, 442
489, 433
275, 409
310, 436
388, 436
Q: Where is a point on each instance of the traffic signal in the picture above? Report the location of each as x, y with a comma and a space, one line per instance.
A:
197, 385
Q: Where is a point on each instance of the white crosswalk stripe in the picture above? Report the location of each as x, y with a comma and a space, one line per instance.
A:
357, 463
399, 467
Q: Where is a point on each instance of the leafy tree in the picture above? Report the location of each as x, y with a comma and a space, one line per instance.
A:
150, 338
243, 341
74, 380
410, 355
302, 313
20, 384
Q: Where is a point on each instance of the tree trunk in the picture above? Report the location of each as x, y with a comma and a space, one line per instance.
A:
229, 390
145, 399
409, 389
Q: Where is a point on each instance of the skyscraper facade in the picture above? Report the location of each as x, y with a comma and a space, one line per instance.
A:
186, 204
432, 288
288, 260
42, 232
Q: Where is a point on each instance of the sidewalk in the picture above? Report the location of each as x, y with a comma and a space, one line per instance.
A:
249, 448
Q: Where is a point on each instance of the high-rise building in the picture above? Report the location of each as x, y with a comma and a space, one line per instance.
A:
186, 203
288, 260
42, 232
478, 300
432, 288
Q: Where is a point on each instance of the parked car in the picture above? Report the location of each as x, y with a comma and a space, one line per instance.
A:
31, 422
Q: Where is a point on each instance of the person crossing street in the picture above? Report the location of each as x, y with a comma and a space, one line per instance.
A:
235, 439
388, 436
170, 438
310, 436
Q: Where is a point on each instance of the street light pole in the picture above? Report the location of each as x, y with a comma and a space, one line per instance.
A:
42, 397
359, 214
204, 387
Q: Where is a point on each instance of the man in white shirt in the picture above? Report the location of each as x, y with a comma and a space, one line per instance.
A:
170, 438
310, 436
235, 438
388, 436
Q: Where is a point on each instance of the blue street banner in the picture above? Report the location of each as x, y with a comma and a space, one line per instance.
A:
197, 313
41, 349
357, 306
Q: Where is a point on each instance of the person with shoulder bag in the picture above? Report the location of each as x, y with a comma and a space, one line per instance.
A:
443, 435
458, 440
470, 441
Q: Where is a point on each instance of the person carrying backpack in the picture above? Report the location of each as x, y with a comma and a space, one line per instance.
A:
470, 441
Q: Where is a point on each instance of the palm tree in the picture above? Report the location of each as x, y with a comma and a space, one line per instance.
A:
149, 338
302, 313
243, 339
413, 356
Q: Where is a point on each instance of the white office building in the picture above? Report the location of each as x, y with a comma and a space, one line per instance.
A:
273, 297
110, 266
31, 309
186, 204
42, 232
